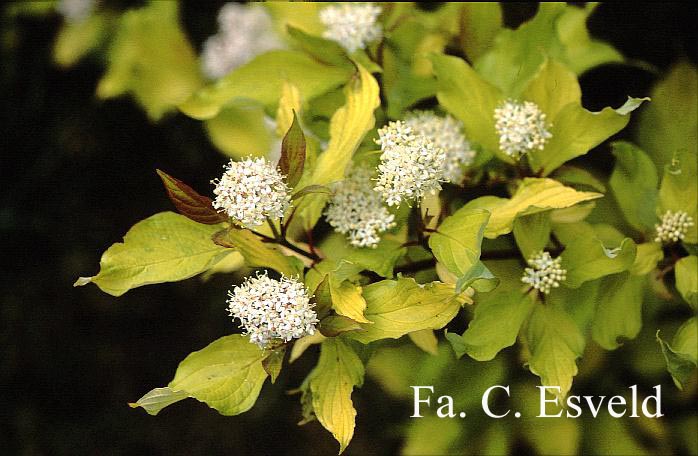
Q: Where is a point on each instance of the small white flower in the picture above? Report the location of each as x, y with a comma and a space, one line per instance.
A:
544, 272
521, 128
411, 165
356, 210
244, 31
75, 10
250, 191
271, 309
674, 227
446, 133
352, 25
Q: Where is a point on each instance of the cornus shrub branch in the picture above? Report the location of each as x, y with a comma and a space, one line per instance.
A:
492, 171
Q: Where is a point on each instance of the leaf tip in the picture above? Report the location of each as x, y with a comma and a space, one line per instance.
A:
82, 281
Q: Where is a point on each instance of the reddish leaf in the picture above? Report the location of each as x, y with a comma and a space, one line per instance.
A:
292, 158
189, 203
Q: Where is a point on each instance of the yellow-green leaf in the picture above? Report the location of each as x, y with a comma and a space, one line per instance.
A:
239, 130
338, 371
348, 126
618, 314
552, 88
682, 355
555, 343
262, 80
227, 375
398, 307
471, 99
687, 279
257, 253
165, 247
534, 195
495, 326
159, 77
456, 244
646, 259
575, 131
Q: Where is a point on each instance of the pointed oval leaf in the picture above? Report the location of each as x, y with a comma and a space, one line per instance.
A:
165, 247
292, 158
190, 203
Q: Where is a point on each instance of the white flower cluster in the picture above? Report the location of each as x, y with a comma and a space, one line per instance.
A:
250, 191
244, 31
446, 133
411, 165
674, 226
352, 25
521, 128
356, 210
271, 309
544, 272
75, 10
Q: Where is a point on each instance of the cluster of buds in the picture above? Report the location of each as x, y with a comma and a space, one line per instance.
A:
445, 133
521, 128
272, 310
244, 31
411, 165
674, 227
356, 210
250, 191
544, 273
352, 25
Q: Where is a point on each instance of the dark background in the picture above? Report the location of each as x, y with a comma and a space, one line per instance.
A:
76, 173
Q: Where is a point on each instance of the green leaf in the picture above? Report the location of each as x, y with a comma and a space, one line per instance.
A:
332, 381
533, 196
555, 343
348, 126
321, 49
456, 244
344, 294
165, 247
496, 324
557, 31
334, 325
159, 77
679, 191
681, 356
670, 123
292, 158
532, 233
257, 253
426, 340
227, 375
472, 100
686, 270
579, 176
480, 24
398, 307
239, 130
619, 310
647, 257
309, 190
575, 131
76, 39
157, 399
273, 362
634, 183
553, 87
582, 52
310, 76
347, 299
586, 257
190, 203
381, 259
